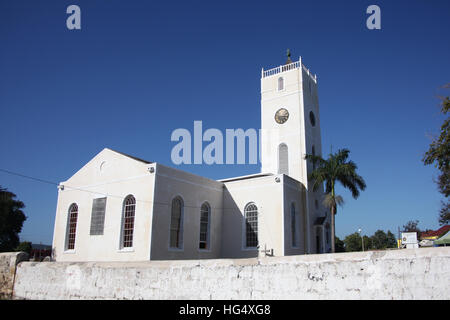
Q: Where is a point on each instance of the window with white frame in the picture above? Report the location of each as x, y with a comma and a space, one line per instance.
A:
251, 225
205, 213
176, 224
71, 226
129, 210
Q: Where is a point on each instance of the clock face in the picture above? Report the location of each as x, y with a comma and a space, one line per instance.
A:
281, 116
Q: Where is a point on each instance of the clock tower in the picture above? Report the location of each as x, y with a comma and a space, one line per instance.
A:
290, 128
290, 123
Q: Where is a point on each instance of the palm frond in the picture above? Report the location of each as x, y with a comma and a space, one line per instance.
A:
330, 201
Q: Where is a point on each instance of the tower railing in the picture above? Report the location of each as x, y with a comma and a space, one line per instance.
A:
287, 67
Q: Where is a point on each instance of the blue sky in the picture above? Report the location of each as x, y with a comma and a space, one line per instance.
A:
137, 70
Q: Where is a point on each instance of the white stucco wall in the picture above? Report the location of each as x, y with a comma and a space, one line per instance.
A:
267, 195
294, 193
299, 96
396, 274
194, 190
114, 176
291, 132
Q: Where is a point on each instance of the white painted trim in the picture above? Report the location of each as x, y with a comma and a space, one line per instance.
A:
66, 238
122, 221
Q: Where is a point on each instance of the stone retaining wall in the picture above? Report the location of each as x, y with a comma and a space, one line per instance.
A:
8, 262
395, 274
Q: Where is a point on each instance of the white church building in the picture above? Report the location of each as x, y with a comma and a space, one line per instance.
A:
121, 208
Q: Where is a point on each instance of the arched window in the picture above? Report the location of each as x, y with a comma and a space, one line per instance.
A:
293, 226
280, 83
204, 226
327, 229
251, 225
176, 223
283, 159
312, 118
72, 226
129, 209
318, 241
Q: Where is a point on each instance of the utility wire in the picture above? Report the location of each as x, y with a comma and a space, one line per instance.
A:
110, 195
94, 192
28, 177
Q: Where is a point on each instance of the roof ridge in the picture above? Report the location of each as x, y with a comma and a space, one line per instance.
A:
130, 156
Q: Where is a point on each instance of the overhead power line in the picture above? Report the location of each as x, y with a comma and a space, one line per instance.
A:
28, 177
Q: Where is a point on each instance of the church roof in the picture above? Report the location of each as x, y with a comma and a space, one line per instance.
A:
132, 157
250, 176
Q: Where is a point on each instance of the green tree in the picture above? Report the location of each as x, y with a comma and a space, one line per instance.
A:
382, 240
337, 168
391, 240
367, 243
11, 220
379, 240
439, 155
412, 226
353, 242
24, 246
339, 245
444, 213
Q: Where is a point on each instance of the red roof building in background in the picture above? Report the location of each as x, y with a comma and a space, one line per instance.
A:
433, 235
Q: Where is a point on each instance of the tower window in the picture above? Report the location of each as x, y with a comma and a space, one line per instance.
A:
129, 208
283, 159
72, 226
312, 118
280, 83
251, 225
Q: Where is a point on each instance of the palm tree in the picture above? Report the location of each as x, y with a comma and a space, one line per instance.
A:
336, 168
